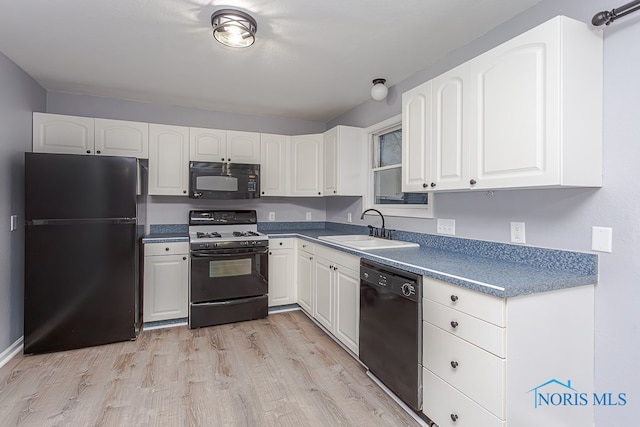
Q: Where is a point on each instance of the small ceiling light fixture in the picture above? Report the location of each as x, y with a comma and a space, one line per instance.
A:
234, 28
379, 90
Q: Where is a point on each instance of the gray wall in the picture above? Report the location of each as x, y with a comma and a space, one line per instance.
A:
19, 96
120, 109
563, 218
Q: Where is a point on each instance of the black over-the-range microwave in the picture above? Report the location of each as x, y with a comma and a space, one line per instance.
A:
218, 180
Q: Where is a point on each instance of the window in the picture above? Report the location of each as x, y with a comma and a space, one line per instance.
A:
385, 183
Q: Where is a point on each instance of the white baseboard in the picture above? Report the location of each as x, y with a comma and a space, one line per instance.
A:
9, 353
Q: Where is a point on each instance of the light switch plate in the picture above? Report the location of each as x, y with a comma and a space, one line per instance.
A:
446, 226
601, 239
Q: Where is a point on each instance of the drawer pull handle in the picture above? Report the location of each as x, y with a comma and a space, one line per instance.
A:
454, 324
454, 417
184, 258
454, 364
166, 249
454, 298
280, 243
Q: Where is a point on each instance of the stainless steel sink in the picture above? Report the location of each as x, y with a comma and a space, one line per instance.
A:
366, 243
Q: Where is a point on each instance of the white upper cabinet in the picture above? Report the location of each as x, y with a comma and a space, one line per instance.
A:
514, 117
307, 165
416, 138
121, 138
218, 145
55, 133
207, 145
343, 150
243, 147
273, 164
538, 115
450, 147
168, 160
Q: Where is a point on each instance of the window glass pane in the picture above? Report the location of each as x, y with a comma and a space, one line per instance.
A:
390, 146
388, 189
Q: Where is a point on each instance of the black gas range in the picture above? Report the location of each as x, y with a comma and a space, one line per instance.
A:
229, 267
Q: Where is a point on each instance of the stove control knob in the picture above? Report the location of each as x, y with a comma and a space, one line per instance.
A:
246, 243
253, 243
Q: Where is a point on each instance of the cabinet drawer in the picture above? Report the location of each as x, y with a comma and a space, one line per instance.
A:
447, 407
281, 243
475, 372
306, 246
483, 334
167, 248
477, 304
336, 256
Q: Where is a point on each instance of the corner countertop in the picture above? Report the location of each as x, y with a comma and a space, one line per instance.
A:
490, 275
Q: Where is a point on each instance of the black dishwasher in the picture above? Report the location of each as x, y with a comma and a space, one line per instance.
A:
391, 329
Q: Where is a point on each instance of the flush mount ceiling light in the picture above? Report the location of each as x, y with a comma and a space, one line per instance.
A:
379, 90
234, 28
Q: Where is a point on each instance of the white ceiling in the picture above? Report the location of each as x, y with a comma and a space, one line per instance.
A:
313, 59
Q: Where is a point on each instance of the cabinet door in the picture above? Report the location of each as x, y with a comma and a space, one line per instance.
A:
122, 138
166, 287
55, 133
273, 169
243, 147
207, 145
305, 281
347, 287
416, 138
515, 123
450, 156
281, 277
323, 309
307, 172
168, 160
331, 162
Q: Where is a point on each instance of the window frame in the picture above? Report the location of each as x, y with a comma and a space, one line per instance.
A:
410, 211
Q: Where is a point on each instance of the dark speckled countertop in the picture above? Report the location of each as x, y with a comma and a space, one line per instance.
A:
499, 269
494, 276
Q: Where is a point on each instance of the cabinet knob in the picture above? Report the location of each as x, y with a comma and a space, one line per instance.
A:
98, 151
454, 364
184, 258
88, 151
166, 249
334, 191
454, 417
228, 160
425, 185
184, 191
454, 324
472, 182
319, 193
454, 298
433, 184
310, 258
222, 159
263, 192
270, 253
280, 243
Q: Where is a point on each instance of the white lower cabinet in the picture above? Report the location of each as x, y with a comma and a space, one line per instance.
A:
305, 265
282, 289
337, 294
490, 361
166, 281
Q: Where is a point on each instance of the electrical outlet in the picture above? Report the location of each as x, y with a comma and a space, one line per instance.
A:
349, 217
601, 239
272, 216
446, 226
517, 232
308, 216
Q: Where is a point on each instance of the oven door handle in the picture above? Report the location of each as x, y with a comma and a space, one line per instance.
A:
218, 255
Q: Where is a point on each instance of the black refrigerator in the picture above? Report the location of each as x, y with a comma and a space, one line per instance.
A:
81, 263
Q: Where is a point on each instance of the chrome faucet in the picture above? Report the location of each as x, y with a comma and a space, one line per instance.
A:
383, 231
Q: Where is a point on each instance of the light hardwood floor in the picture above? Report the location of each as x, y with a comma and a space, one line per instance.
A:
280, 371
